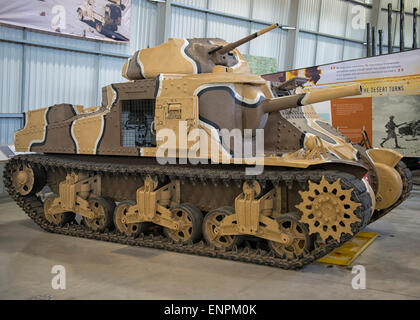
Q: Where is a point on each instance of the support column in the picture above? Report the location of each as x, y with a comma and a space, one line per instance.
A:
23, 76
251, 14
390, 38
376, 11
402, 25
380, 42
292, 36
317, 29
206, 26
373, 41
375, 14
368, 41
164, 21
414, 28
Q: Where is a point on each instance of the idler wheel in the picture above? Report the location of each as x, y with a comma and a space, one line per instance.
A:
295, 238
189, 219
129, 229
104, 211
26, 180
58, 219
212, 222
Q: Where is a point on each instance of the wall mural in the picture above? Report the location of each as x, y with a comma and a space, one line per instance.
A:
107, 20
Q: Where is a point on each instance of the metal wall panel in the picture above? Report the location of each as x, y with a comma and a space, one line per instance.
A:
187, 23
109, 72
10, 77
7, 129
237, 7
69, 41
411, 4
333, 17
272, 44
55, 76
353, 50
308, 18
11, 33
271, 10
395, 3
305, 50
143, 29
228, 29
358, 30
396, 30
194, 3
328, 50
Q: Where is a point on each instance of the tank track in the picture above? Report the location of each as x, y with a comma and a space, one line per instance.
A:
33, 205
407, 179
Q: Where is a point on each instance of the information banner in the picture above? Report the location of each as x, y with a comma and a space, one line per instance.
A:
107, 20
388, 109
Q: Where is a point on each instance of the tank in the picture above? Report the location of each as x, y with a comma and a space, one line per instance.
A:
195, 154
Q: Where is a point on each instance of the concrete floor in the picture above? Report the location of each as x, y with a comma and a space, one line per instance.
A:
101, 270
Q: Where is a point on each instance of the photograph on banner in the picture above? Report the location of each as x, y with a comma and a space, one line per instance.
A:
107, 20
396, 123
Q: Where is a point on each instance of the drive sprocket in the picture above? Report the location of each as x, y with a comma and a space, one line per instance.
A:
328, 209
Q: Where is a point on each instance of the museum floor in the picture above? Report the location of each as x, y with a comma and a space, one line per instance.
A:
102, 270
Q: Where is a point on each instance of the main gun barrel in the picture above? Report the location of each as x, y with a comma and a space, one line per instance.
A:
297, 100
233, 45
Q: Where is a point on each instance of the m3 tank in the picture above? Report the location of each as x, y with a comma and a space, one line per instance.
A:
165, 162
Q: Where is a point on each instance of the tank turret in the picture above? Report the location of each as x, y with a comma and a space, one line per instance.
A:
189, 56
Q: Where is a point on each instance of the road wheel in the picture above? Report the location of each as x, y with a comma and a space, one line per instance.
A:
131, 229
295, 236
27, 179
58, 219
213, 220
104, 210
189, 219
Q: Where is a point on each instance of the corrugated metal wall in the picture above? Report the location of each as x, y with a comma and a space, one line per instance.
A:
328, 17
33, 76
